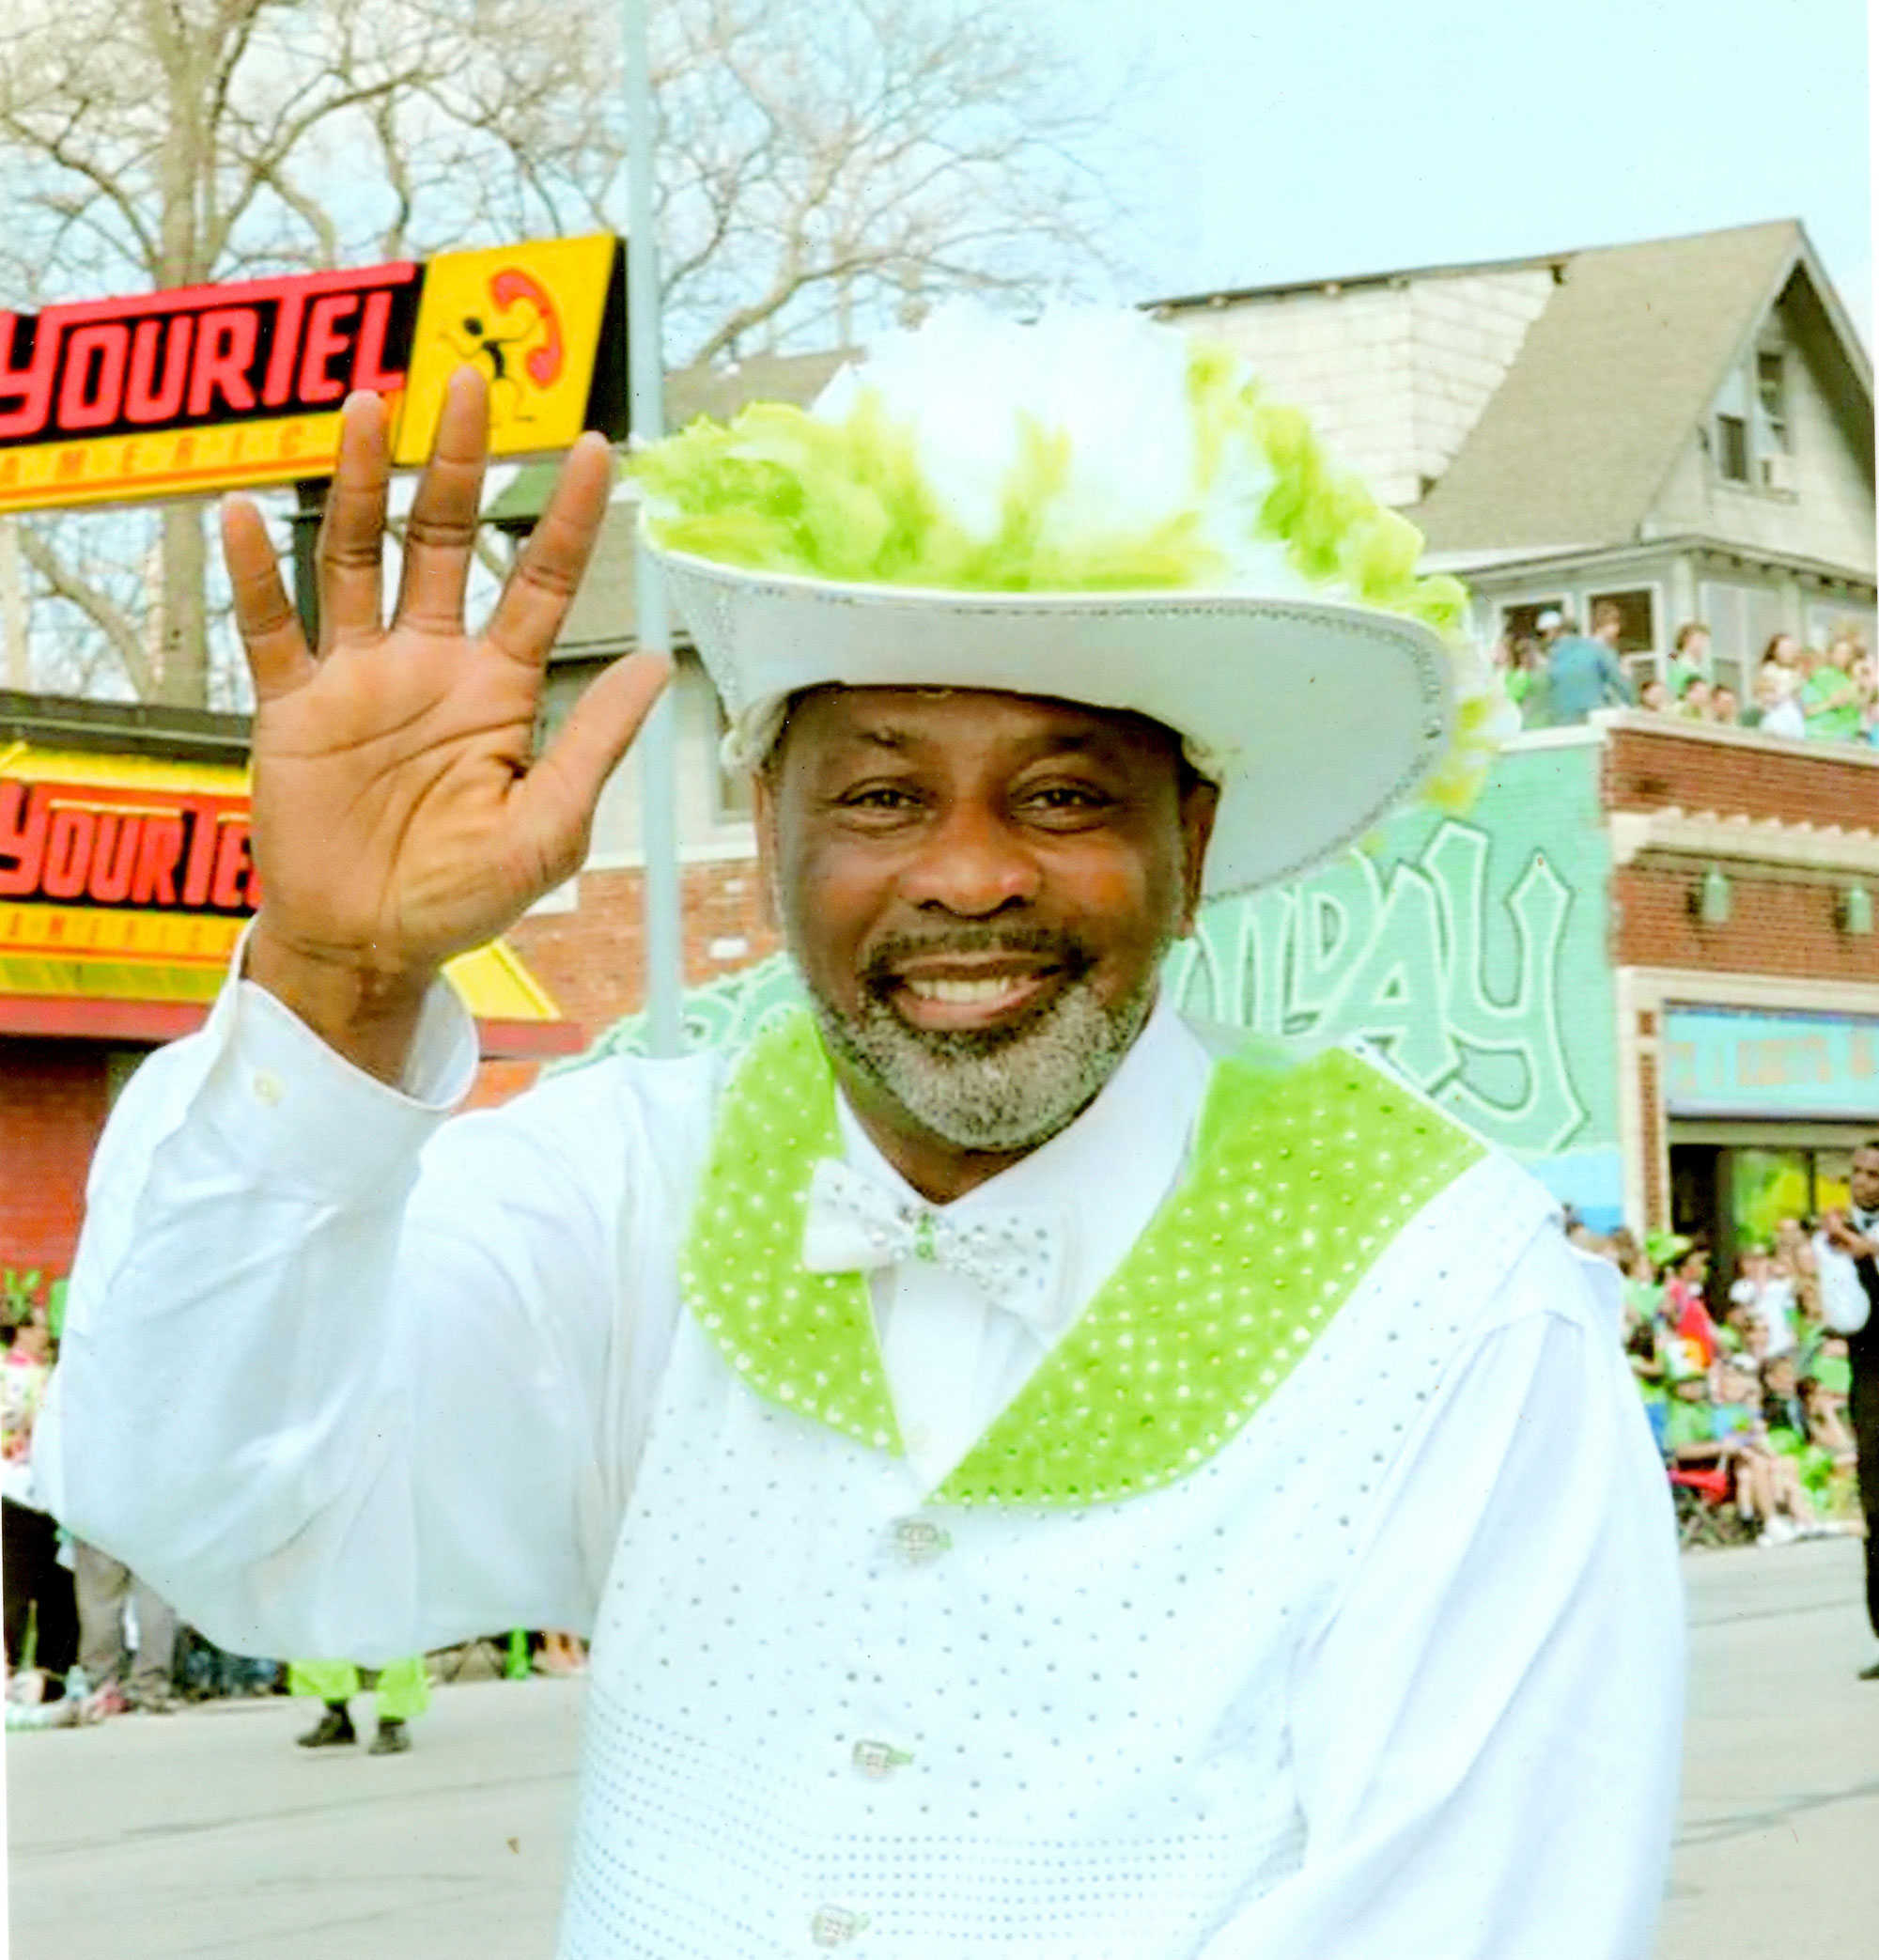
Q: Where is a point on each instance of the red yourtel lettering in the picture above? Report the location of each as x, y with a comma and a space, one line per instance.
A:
61, 845
203, 355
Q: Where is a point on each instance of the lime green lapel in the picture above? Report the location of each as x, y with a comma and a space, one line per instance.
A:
1299, 1182
804, 1339
1301, 1175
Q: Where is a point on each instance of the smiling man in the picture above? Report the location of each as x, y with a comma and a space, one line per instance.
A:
1042, 1477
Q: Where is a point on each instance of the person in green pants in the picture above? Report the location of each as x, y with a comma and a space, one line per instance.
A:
403, 1692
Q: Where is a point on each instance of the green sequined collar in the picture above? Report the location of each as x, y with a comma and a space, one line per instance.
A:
1300, 1176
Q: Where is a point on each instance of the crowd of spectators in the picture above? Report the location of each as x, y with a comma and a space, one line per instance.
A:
75, 1653
1745, 1384
1557, 676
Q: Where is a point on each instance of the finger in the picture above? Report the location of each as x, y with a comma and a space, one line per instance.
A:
270, 627
353, 532
440, 530
542, 586
554, 802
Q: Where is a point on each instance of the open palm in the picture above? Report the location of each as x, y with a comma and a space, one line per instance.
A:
399, 814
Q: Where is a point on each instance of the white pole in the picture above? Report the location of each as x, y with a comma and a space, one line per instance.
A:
656, 747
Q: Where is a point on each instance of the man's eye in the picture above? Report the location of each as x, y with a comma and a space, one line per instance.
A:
1066, 796
880, 796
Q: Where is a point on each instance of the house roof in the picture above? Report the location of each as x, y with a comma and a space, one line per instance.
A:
1575, 445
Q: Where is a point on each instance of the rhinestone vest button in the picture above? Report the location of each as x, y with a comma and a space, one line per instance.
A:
881, 1759
919, 1540
835, 1926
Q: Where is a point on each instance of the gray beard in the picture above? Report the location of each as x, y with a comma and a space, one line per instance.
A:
1007, 1090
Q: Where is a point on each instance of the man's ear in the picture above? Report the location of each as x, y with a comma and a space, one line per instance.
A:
1200, 805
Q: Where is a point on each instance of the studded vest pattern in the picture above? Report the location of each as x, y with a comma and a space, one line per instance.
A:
831, 1711
827, 1714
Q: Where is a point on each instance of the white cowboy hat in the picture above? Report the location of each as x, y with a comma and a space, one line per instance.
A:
1096, 509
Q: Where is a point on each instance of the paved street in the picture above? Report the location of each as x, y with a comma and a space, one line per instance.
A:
1779, 1847
211, 1834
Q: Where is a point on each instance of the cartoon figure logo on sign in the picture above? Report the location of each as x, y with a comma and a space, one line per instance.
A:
530, 318
518, 362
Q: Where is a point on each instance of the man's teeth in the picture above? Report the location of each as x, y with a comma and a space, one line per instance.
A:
966, 992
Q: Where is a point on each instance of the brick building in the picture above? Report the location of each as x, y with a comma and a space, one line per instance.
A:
125, 881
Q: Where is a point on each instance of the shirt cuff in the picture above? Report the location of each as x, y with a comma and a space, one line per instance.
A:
299, 1114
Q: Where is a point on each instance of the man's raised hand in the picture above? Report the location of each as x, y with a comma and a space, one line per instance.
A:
399, 816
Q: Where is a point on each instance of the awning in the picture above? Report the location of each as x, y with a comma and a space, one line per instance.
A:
125, 881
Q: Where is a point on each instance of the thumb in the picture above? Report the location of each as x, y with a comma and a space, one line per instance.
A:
554, 802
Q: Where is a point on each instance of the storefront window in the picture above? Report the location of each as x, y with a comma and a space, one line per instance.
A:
1832, 1171
1769, 1185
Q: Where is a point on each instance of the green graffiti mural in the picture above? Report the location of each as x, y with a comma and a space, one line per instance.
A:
1397, 957
729, 1012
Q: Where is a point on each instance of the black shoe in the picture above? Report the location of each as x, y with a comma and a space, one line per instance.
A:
334, 1727
1870, 1673
390, 1739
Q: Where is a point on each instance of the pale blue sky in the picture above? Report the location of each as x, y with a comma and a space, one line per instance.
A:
1320, 137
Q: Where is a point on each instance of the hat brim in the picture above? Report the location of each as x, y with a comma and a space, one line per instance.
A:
1315, 719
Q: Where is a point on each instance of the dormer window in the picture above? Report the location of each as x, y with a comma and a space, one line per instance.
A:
1731, 448
1771, 393
1752, 431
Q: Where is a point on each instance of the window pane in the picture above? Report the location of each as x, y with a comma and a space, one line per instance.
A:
1636, 617
1732, 436
1769, 1185
1824, 621
1642, 667
1522, 622
1741, 617
1771, 390
1833, 1173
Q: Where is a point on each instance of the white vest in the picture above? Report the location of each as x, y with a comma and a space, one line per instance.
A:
827, 1714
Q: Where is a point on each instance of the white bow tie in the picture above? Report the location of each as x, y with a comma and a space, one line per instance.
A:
1013, 1257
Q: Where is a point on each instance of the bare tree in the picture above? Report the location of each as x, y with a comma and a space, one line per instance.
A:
824, 164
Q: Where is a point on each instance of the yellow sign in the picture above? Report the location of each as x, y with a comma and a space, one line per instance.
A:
530, 318
202, 389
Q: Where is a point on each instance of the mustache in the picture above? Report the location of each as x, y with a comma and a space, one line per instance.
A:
879, 975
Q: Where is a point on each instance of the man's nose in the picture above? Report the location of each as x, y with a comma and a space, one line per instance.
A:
971, 862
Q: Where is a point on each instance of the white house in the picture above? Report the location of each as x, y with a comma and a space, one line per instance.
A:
1682, 426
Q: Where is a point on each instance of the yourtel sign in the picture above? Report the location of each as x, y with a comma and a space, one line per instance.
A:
201, 389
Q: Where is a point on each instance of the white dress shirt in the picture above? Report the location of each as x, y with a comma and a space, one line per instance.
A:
1844, 1306
952, 1359
341, 1378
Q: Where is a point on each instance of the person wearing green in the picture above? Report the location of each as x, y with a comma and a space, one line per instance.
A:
1690, 661
1831, 696
403, 1689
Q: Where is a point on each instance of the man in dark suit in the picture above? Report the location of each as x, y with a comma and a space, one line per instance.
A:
1846, 1249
